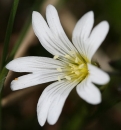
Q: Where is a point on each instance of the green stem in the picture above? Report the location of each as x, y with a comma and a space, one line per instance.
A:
0, 113
2, 79
36, 6
9, 31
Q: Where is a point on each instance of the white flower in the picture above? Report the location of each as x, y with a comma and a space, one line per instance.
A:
70, 67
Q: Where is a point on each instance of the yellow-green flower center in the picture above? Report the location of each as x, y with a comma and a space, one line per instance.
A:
75, 67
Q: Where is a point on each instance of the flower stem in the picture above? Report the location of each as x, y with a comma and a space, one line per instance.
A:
0, 114
8, 32
2, 79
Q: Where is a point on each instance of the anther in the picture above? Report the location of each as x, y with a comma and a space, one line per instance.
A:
67, 56
55, 57
81, 66
68, 77
77, 72
59, 69
59, 79
76, 60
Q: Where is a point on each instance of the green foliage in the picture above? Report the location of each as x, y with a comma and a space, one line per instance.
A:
9, 31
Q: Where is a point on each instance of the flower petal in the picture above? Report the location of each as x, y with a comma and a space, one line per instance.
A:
46, 99
56, 27
89, 92
57, 105
97, 75
44, 34
50, 41
33, 64
82, 31
52, 100
33, 79
97, 36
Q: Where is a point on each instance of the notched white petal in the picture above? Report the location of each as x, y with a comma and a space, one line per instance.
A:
58, 103
33, 79
46, 99
97, 75
89, 92
52, 100
57, 29
33, 64
44, 34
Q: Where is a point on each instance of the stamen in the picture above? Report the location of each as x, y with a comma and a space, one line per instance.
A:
75, 67
81, 66
59, 79
55, 57
77, 72
67, 56
76, 60
59, 69
68, 77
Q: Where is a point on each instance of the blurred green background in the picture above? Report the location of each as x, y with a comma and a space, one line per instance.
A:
19, 108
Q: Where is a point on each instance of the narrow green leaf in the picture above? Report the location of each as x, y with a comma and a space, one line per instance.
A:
9, 31
2, 77
25, 28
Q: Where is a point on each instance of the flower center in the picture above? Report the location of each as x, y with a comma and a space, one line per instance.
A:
75, 67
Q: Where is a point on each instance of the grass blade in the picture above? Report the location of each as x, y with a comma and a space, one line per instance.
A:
9, 31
